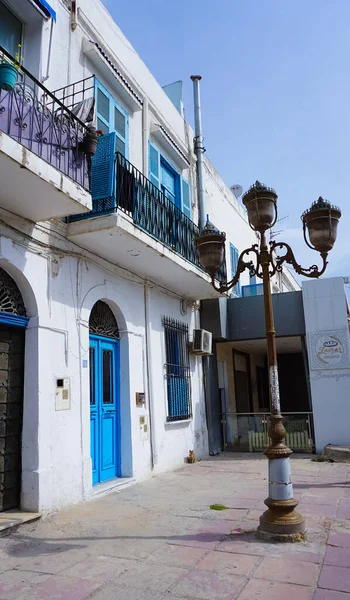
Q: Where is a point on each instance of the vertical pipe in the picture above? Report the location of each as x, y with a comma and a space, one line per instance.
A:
145, 135
199, 148
150, 381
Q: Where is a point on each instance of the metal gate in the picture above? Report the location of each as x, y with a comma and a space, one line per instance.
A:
248, 432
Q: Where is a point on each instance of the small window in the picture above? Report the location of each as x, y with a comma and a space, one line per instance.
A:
10, 30
234, 264
177, 370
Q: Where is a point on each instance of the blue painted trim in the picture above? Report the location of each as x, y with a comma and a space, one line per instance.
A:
113, 103
14, 320
46, 8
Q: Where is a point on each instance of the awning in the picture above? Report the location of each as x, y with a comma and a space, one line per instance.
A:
45, 7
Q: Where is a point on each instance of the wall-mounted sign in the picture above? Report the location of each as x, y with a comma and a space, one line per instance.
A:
329, 350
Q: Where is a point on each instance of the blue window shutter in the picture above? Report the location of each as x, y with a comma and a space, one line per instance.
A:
186, 198
234, 265
153, 164
103, 168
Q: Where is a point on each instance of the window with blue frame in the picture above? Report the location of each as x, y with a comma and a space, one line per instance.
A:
163, 175
10, 30
112, 118
234, 255
177, 370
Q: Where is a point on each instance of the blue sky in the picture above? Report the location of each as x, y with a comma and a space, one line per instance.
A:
275, 94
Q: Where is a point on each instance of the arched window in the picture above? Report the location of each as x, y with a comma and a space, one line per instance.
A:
103, 322
11, 300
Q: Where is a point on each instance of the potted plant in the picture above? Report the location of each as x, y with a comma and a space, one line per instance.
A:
90, 141
9, 71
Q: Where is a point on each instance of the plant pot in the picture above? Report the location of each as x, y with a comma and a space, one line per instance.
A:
90, 142
8, 76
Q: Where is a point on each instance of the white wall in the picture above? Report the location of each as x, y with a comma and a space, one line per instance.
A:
325, 309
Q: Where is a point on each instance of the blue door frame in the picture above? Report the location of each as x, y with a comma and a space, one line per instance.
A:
104, 408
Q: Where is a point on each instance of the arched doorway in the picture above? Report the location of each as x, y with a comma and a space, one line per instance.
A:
13, 321
104, 394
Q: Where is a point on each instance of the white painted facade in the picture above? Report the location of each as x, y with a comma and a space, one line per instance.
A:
63, 270
327, 334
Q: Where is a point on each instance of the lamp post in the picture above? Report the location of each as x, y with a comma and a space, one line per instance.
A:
280, 521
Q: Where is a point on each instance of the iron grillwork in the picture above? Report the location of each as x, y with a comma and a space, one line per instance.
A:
177, 370
150, 210
102, 321
35, 118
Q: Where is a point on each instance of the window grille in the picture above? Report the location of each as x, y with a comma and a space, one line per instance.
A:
177, 370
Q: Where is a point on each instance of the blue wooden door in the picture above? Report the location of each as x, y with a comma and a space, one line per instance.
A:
104, 408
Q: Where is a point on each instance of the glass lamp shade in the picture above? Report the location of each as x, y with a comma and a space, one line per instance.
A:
261, 204
321, 221
210, 244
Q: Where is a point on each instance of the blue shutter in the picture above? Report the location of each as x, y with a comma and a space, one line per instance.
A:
103, 170
186, 198
234, 265
153, 165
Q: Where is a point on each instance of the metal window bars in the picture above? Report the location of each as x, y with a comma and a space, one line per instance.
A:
177, 370
34, 117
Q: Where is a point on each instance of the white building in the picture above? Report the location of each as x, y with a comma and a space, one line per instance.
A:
99, 291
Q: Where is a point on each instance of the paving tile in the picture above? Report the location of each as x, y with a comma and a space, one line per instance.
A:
179, 556
208, 585
328, 595
244, 502
239, 545
335, 578
233, 564
286, 571
50, 559
338, 557
61, 588
301, 556
309, 498
339, 539
316, 510
99, 568
15, 582
115, 591
153, 577
262, 590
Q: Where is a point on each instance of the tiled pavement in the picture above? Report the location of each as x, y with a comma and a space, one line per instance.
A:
159, 540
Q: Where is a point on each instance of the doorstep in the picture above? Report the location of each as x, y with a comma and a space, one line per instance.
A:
11, 520
113, 485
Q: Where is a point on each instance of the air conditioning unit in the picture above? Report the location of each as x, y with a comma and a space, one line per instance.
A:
202, 342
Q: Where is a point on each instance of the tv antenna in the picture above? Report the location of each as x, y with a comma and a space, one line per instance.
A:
273, 232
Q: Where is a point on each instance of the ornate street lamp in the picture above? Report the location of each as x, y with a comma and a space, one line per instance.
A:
280, 521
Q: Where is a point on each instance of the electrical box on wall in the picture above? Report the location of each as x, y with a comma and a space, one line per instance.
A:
62, 394
143, 421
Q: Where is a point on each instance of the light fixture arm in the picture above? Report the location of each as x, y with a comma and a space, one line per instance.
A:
289, 258
242, 266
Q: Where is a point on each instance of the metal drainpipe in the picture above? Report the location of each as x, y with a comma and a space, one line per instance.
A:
150, 381
199, 148
145, 134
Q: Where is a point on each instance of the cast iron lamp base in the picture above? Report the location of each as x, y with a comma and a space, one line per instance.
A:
280, 522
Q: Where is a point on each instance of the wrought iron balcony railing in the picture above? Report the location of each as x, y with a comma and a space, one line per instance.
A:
34, 117
149, 208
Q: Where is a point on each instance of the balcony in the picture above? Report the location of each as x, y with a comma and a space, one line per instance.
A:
135, 225
43, 171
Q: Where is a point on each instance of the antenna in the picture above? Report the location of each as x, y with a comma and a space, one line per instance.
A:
237, 190
274, 233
